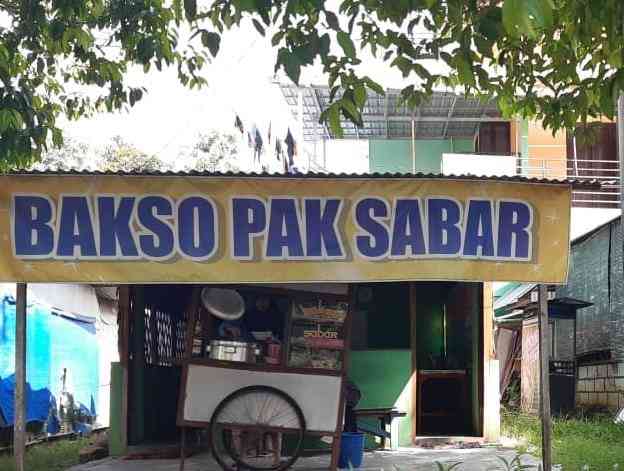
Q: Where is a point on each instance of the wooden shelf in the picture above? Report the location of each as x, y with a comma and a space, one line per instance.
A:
262, 367
320, 320
305, 344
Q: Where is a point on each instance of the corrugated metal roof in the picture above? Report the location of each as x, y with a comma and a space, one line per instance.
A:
306, 176
512, 296
443, 115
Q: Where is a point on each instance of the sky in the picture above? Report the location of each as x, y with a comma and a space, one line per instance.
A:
241, 80
170, 116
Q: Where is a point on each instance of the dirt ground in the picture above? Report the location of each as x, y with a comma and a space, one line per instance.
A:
412, 459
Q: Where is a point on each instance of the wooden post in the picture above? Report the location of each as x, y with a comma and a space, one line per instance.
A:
137, 367
575, 370
182, 448
544, 355
413, 409
19, 425
124, 359
335, 453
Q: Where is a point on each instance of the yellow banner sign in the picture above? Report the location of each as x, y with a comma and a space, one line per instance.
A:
152, 229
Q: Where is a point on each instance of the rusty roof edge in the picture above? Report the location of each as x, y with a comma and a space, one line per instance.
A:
574, 183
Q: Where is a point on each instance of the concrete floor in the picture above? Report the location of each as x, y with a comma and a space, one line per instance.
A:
408, 459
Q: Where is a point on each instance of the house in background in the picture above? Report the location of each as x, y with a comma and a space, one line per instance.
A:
443, 135
596, 275
456, 135
517, 346
596, 352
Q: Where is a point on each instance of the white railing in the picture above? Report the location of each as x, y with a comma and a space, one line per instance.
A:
605, 172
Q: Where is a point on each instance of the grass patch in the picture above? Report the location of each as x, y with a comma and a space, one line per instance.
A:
586, 439
56, 456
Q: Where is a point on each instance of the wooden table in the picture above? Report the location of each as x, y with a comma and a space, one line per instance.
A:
385, 416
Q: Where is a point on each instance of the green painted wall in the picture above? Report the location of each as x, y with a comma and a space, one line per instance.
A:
395, 155
383, 377
115, 443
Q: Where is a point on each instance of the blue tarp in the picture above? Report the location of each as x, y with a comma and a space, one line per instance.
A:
54, 344
37, 401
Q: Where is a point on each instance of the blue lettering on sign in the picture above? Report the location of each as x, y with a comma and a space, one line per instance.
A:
515, 219
32, 232
157, 240
283, 240
115, 216
76, 237
197, 228
248, 221
321, 222
445, 217
408, 238
373, 240
479, 230
155, 227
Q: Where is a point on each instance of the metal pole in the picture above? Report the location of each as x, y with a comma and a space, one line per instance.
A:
413, 147
620, 128
300, 131
544, 356
19, 425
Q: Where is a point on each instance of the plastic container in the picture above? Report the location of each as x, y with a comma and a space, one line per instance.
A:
351, 450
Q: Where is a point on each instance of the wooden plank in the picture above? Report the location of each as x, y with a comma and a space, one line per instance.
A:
489, 395
413, 402
544, 355
345, 359
182, 448
123, 324
137, 431
191, 318
19, 430
124, 355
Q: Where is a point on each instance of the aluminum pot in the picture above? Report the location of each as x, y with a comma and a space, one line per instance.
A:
230, 350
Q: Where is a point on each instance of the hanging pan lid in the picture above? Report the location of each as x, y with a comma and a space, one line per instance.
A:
225, 304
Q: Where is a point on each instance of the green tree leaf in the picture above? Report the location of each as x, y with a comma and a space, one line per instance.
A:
541, 12
360, 95
292, 66
190, 9
212, 41
258, 26
516, 18
332, 20
346, 44
334, 119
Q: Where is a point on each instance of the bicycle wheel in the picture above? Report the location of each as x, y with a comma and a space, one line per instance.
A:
257, 428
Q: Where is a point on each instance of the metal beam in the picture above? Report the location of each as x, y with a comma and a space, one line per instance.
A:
386, 101
19, 423
437, 119
449, 116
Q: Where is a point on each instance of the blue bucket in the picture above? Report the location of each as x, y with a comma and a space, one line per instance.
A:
351, 450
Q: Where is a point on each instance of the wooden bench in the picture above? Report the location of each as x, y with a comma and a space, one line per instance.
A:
384, 416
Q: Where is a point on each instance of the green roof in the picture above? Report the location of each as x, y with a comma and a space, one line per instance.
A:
503, 290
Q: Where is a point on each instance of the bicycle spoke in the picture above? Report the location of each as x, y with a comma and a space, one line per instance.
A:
255, 425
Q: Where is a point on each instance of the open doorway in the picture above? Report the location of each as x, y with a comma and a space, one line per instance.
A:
418, 347
448, 352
